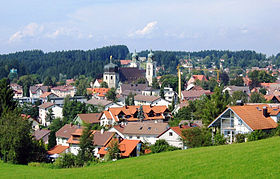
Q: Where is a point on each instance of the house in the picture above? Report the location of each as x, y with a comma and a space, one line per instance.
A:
133, 88
194, 94
57, 150
44, 110
173, 136
96, 83
42, 134
102, 104
90, 118
126, 114
147, 132
37, 90
63, 91
18, 92
232, 89
193, 79
272, 98
169, 94
183, 103
47, 95
128, 148
35, 124
70, 82
246, 119
98, 93
100, 139
64, 133
150, 100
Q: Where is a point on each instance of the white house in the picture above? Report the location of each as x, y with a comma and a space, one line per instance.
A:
150, 100
96, 84
47, 95
64, 133
44, 109
63, 91
147, 132
245, 119
173, 136
102, 103
37, 90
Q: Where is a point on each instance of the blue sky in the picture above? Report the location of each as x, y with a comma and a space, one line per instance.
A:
189, 25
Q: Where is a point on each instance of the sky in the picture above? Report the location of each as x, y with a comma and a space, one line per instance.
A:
188, 25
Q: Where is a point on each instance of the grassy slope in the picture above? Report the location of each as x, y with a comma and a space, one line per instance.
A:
252, 159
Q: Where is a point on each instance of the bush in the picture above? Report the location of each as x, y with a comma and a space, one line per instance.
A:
257, 135
219, 139
240, 138
197, 137
67, 160
162, 146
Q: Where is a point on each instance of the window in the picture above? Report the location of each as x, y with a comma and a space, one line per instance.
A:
170, 134
111, 77
130, 137
106, 77
138, 137
239, 122
231, 123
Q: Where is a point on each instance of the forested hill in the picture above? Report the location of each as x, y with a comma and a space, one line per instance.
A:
70, 63
91, 62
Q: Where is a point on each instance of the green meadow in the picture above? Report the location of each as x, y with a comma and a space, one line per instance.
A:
260, 159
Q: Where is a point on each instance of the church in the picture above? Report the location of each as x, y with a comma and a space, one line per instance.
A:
114, 76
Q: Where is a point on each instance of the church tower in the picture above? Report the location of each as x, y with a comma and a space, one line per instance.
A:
150, 68
135, 62
111, 74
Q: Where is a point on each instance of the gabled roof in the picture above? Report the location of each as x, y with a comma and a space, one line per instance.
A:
195, 93
125, 62
253, 116
101, 139
46, 105
63, 88
33, 89
57, 149
177, 130
129, 74
46, 94
66, 131
133, 87
90, 118
39, 134
126, 147
97, 102
145, 128
140, 97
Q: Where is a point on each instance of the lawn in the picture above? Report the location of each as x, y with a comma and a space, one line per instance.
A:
260, 159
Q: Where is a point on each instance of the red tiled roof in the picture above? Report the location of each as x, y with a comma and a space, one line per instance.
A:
57, 149
199, 77
125, 62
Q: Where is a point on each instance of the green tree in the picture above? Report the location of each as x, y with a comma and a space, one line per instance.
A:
140, 114
50, 115
111, 94
239, 95
113, 150
197, 137
72, 108
238, 81
162, 146
6, 97
86, 146
15, 140
257, 98
103, 84
262, 91
48, 81
155, 84
51, 140
141, 81
161, 93
82, 83
224, 78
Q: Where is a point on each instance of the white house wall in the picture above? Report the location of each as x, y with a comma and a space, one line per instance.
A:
174, 139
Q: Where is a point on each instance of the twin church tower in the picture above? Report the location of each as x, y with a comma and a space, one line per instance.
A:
113, 75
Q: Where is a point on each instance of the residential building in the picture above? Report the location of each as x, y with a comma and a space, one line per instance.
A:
128, 148
173, 136
102, 104
63, 91
96, 84
37, 90
47, 96
98, 93
18, 91
126, 114
194, 94
150, 100
232, 89
57, 150
44, 110
64, 133
90, 118
133, 88
42, 134
193, 79
246, 119
34, 123
147, 132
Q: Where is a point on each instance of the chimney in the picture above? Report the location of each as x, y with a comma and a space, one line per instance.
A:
265, 113
102, 131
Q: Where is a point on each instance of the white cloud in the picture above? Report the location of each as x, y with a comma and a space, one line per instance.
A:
30, 30
146, 30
